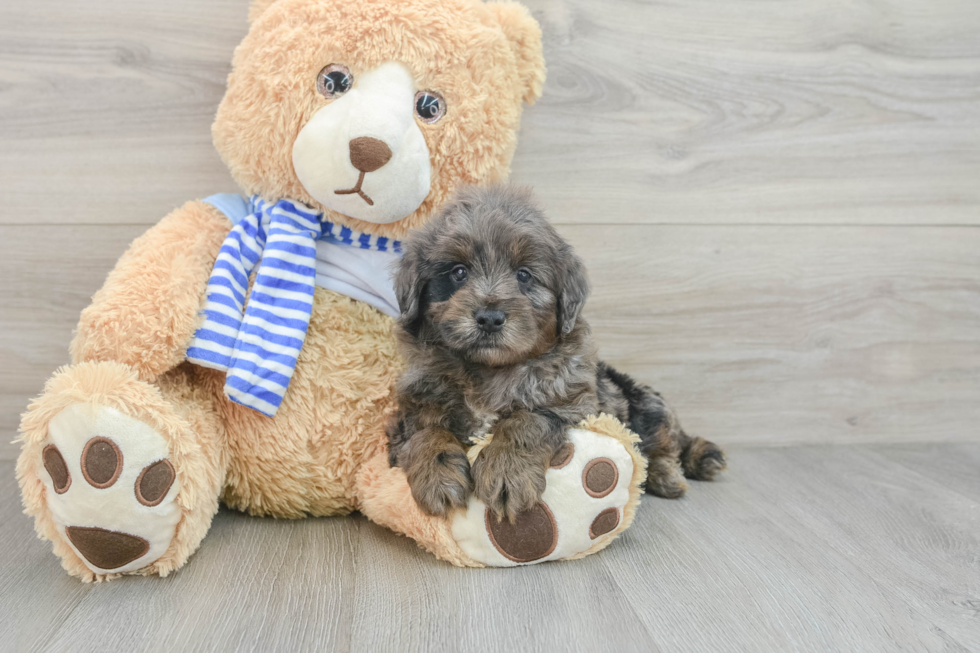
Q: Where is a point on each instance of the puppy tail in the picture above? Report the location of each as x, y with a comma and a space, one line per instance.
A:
701, 459
662, 440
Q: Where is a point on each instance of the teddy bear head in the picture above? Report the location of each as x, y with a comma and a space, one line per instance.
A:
375, 111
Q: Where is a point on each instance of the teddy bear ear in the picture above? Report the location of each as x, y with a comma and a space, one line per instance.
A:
524, 35
257, 8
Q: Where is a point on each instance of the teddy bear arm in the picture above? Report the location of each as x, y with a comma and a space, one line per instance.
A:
147, 310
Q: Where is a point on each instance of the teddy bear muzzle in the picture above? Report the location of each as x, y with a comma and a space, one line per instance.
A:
363, 155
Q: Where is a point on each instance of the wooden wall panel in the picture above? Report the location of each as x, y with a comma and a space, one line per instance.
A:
654, 112
758, 112
795, 334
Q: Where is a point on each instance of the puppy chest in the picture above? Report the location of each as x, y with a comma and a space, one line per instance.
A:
481, 421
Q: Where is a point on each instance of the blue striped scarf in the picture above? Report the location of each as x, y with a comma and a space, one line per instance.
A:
258, 351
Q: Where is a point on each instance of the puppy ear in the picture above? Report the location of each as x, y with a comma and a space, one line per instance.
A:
524, 35
573, 291
409, 286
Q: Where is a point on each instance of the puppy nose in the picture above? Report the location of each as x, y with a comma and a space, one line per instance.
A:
368, 154
490, 321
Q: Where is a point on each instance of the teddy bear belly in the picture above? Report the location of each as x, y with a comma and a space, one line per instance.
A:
304, 460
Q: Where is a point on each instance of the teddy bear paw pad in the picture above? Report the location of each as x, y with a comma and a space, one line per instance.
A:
588, 486
111, 487
533, 534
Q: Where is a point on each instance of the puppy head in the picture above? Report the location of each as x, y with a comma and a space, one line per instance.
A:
490, 279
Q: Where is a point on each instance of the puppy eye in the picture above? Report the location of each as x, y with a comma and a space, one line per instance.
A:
334, 80
429, 106
523, 275
459, 273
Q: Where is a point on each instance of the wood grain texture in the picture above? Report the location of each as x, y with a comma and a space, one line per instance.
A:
38, 596
838, 548
51, 274
795, 334
824, 548
863, 111
903, 530
755, 334
262, 585
848, 112
958, 469
106, 107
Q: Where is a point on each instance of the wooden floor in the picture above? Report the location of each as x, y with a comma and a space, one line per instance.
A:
845, 548
779, 204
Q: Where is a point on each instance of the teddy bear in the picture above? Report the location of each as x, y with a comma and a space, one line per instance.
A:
241, 350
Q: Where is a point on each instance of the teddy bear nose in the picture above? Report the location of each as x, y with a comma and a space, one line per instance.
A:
368, 154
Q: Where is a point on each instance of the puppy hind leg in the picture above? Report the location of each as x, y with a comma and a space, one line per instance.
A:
649, 416
696, 458
665, 476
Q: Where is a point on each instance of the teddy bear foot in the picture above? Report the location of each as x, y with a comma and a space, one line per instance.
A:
114, 474
111, 488
589, 485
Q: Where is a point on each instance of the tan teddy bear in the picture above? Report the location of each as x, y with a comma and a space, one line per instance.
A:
347, 124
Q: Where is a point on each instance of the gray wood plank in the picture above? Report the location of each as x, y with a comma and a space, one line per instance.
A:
796, 548
956, 466
757, 112
912, 535
795, 334
656, 112
407, 601
756, 334
254, 585
37, 596
106, 107
52, 273
737, 571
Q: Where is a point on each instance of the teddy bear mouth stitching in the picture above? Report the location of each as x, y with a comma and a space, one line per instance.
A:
357, 189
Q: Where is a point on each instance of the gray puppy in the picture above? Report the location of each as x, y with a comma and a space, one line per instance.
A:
490, 326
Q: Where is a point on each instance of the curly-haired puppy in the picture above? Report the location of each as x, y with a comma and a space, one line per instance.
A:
490, 325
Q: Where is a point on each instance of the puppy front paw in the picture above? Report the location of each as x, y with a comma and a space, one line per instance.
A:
440, 483
509, 481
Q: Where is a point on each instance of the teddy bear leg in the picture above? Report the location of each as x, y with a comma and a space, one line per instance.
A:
593, 487
121, 475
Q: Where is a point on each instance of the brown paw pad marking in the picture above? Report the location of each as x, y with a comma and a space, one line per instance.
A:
107, 549
605, 522
532, 536
102, 463
563, 456
154, 482
54, 462
600, 477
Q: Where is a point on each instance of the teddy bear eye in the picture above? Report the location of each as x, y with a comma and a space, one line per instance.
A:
334, 80
429, 106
